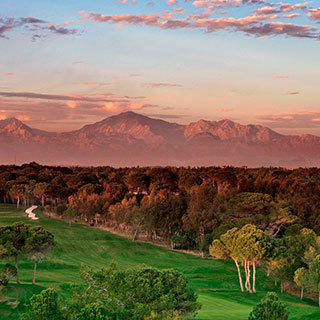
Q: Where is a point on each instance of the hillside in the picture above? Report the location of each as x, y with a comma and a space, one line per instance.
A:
131, 139
215, 281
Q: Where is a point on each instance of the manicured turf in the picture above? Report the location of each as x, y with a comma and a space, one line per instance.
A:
215, 281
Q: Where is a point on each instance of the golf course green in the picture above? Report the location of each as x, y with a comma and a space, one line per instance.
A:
215, 281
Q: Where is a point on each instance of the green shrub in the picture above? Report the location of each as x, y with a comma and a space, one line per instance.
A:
270, 308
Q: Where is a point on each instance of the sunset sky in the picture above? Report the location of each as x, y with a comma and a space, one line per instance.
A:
66, 63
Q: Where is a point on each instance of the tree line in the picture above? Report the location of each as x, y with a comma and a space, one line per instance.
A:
187, 207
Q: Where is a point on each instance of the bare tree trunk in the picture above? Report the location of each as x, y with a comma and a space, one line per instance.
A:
281, 286
202, 240
239, 274
42, 201
319, 299
18, 202
248, 276
17, 268
301, 293
135, 236
254, 277
34, 271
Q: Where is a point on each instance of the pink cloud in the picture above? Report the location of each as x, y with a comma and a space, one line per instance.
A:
71, 108
280, 76
255, 25
298, 119
92, 83
161, 84
224, 110
314, 14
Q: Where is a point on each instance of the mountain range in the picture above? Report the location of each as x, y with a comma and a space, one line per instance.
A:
129, 139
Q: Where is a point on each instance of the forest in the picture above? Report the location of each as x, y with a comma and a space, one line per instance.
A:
257, 217
187, 207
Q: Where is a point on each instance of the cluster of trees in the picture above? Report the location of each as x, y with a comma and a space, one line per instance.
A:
295, 257
246, 246
20, 239
139, 293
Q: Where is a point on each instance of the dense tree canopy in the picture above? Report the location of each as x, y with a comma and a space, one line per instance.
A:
139, 293
187, 207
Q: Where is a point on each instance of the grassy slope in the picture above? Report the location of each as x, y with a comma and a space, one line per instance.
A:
215, 281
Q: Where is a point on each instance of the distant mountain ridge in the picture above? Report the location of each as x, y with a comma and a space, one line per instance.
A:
133, 139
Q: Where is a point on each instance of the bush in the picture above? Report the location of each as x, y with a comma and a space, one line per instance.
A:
270, 308
45, 305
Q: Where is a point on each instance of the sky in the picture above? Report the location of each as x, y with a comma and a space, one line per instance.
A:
67, 63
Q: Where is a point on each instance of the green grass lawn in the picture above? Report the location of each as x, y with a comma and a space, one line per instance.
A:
215, 281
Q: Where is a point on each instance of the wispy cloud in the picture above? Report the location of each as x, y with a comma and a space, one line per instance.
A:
293, 93
92, 83
280, 76
299, 119
260, 24
315, 14
224, 110
66, 108
34, 25
161, 84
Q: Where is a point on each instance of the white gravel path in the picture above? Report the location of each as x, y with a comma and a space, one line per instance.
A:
30, 213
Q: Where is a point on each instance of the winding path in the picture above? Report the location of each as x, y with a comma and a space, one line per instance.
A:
30, 213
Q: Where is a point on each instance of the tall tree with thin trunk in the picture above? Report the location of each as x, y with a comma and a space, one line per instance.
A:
13, 238
40, 190
227, 247
39, 242
17, 192
314, 276
301, 280
254, 245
